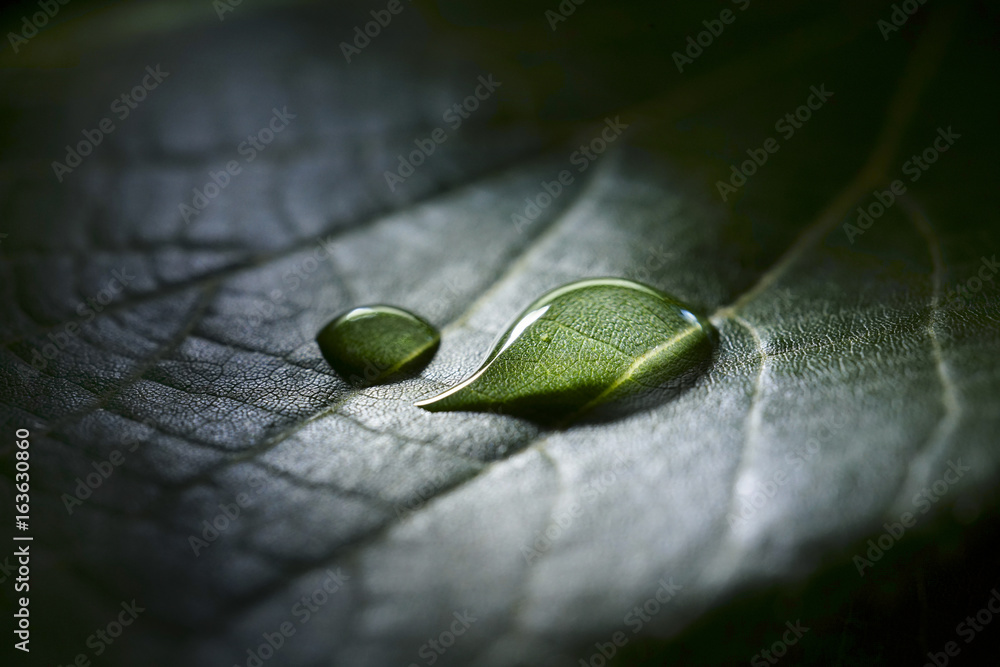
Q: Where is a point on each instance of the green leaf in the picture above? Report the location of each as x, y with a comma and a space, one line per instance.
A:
170, 379
581, 345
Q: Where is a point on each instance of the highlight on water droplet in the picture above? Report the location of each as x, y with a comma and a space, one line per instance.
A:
377, 344
581, 345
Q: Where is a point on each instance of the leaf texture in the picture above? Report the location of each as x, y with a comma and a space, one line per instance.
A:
850, 368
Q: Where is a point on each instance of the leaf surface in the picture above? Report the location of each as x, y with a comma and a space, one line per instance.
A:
852, 369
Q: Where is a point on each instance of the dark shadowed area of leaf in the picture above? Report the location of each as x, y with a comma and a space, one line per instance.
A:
847, 377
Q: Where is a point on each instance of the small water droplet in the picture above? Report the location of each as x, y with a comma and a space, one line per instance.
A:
377, 344
584, 344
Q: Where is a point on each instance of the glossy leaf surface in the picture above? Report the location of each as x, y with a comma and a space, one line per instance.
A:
850, 372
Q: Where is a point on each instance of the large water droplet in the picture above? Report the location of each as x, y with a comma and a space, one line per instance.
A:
584, 344
377, 344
